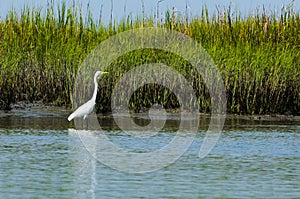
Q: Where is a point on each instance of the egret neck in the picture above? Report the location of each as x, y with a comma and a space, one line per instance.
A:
96, 88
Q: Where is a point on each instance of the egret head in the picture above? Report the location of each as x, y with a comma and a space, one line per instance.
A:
100, 73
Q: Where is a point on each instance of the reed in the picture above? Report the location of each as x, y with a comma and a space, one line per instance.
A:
258, 57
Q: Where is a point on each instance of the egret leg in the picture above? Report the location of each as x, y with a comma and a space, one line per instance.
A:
87, 123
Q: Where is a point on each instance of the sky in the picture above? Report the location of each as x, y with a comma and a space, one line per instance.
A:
122, 8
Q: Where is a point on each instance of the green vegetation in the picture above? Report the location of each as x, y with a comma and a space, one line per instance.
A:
258, 56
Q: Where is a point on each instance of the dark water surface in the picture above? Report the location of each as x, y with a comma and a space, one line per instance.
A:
255, 157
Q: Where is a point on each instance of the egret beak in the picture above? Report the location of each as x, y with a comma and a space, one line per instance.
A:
105, 73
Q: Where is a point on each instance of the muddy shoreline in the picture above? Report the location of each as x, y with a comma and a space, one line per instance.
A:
63, 111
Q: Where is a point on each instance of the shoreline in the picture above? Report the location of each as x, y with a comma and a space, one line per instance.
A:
39, 106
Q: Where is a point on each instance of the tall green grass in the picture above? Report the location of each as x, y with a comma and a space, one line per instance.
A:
258, 57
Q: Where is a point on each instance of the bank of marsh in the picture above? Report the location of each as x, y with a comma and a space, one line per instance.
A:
258, 57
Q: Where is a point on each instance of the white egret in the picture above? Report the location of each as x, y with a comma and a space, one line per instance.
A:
85, 109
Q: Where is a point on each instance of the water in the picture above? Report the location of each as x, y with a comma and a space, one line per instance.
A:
39, 158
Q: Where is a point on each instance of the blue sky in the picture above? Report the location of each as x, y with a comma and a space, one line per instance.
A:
122, 8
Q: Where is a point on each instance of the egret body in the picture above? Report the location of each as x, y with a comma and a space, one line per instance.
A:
85, 109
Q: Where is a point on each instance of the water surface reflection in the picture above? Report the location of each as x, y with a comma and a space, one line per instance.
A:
253, 158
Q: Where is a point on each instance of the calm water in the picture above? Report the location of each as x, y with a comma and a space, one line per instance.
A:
39, 158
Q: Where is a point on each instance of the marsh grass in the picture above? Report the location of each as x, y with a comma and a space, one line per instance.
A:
258, 57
